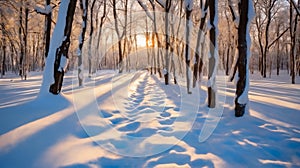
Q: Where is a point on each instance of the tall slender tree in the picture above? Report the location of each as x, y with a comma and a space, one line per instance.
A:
244, 41
200, 43
57, 58
213, 56
188, 24
84, 9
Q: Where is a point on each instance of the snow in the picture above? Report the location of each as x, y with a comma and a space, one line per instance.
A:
189, 4
63, 63
162, 3
134, 120
47, 10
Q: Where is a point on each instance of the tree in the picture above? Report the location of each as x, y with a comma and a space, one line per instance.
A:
213, 55
57, 58
198, 56
293, 35
47, 11
167, 7
263, 22
188, 24
119, 34
84, 9
244, 41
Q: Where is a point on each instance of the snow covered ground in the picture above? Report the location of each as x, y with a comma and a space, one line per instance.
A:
133, 120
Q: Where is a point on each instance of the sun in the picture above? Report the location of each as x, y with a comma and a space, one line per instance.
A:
141, 40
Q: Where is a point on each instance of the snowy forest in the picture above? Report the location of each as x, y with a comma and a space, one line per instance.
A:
150, 83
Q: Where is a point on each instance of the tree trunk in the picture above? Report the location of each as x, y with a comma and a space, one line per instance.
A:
21, 40
278, 55
3, 46
188, 11
212, 62
26, 60
84, 9
57, 58
200, 36
243, 60
167, 42
4, 56
48, 18
293, 34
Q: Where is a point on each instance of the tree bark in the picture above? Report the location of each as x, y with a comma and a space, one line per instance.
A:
293, 34
188, 12
57, 58
21, 69
200, 36
167, 42
243, 62
84, 9
212, 58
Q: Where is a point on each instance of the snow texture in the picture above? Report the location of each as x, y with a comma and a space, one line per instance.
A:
162, 3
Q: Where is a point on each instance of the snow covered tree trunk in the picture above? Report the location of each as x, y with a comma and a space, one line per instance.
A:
57, 58
47, 11
213, 49
244, 42
90, 39
200, 39
102, 19
188, 25
84, 8
48, 18
167, 38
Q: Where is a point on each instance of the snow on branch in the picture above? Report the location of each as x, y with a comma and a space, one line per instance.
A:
44, 11
189, 4
145, 9
162, 3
